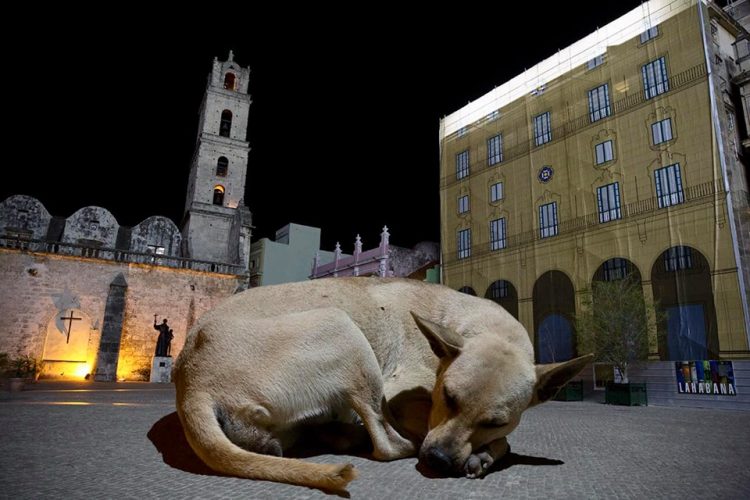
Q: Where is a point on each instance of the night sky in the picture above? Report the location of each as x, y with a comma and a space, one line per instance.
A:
344, 121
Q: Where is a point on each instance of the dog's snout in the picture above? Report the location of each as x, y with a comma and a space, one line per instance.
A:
438, 460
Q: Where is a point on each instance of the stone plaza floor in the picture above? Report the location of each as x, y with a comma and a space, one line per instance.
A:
98, 440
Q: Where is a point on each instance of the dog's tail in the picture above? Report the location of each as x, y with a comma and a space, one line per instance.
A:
206, 437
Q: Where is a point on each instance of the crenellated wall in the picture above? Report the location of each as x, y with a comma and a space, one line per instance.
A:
22, 214
156, 232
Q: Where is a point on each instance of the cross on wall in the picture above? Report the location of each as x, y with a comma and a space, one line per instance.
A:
70, 324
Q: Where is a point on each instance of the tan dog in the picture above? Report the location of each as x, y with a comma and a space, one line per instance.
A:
272, 358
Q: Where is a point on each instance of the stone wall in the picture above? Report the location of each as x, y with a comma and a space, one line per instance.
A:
36, 287
405, 261
153, 232
24, 214
90, 226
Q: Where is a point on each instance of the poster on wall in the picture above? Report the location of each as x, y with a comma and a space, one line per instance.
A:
705, 377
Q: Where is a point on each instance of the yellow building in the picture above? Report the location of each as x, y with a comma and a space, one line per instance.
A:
620, 154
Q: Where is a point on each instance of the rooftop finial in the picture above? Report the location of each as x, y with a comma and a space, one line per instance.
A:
231, 56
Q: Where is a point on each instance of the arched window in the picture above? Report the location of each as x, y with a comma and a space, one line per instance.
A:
681, 281
467, 290
218, 195
554, 308
555, 339
222, 166
504, 293
226, 123
229, 81
497, 290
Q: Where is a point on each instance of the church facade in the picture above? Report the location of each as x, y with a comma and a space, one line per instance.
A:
81, 293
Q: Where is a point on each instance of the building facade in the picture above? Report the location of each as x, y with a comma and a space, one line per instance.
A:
620, 155
385, 260
287, 258
82, 293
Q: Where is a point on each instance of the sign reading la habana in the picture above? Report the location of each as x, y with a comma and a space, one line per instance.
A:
705, 377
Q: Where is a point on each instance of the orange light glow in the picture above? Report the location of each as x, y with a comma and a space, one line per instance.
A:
82, 370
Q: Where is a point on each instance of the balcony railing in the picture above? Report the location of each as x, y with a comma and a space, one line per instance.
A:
111, 254
591, 222
676, 82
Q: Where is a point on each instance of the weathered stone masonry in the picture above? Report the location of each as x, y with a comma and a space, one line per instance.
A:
35, 287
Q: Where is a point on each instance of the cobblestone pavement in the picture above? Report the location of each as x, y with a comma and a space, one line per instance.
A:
124, 441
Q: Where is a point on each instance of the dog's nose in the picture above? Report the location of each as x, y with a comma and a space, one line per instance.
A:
438, 460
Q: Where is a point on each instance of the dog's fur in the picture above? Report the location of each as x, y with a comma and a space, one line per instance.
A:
270, 359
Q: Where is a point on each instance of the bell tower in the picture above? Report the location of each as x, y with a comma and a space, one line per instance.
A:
217, 225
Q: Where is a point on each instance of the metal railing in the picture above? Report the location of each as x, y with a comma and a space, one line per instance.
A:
20, 242
590, 221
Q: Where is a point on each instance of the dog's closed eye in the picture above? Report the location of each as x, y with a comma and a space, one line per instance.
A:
450, 401
492, 424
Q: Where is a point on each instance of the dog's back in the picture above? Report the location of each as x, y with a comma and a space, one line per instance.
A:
379, 306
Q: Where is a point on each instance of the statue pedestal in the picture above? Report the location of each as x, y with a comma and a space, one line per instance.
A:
161, 369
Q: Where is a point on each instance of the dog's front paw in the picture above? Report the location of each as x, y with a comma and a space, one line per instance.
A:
477, 465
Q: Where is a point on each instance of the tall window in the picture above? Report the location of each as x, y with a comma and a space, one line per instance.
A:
548, 220
229, 79
649, 34
655, 80
542, 129
596, 61
615, 269
462, 164
677, 258
496, 191
661, 131
463, 204
218, 195
498, 290
608, 198
604, 152
497, 234
222, 166
226, 123
495, 150
464, 243
669, 185
599, 103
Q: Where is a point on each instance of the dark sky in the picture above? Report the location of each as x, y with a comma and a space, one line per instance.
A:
102, 107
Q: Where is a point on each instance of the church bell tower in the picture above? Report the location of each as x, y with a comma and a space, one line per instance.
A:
217, 225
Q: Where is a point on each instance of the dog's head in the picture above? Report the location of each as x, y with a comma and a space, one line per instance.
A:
484, 383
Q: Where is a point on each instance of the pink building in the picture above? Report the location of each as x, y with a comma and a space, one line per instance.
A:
385, 260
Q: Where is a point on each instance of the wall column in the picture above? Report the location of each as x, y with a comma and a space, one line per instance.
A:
109, 345
653, 332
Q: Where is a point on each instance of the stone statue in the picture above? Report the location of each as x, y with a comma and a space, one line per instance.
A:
163, 343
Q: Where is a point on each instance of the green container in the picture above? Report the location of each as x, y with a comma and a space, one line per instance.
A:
631, 394
572, 391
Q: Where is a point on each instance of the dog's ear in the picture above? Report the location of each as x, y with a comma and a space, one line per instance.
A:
552, 377
444, 342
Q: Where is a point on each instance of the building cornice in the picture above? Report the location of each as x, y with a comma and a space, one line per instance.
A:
229, 94
619, 31
209, 138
